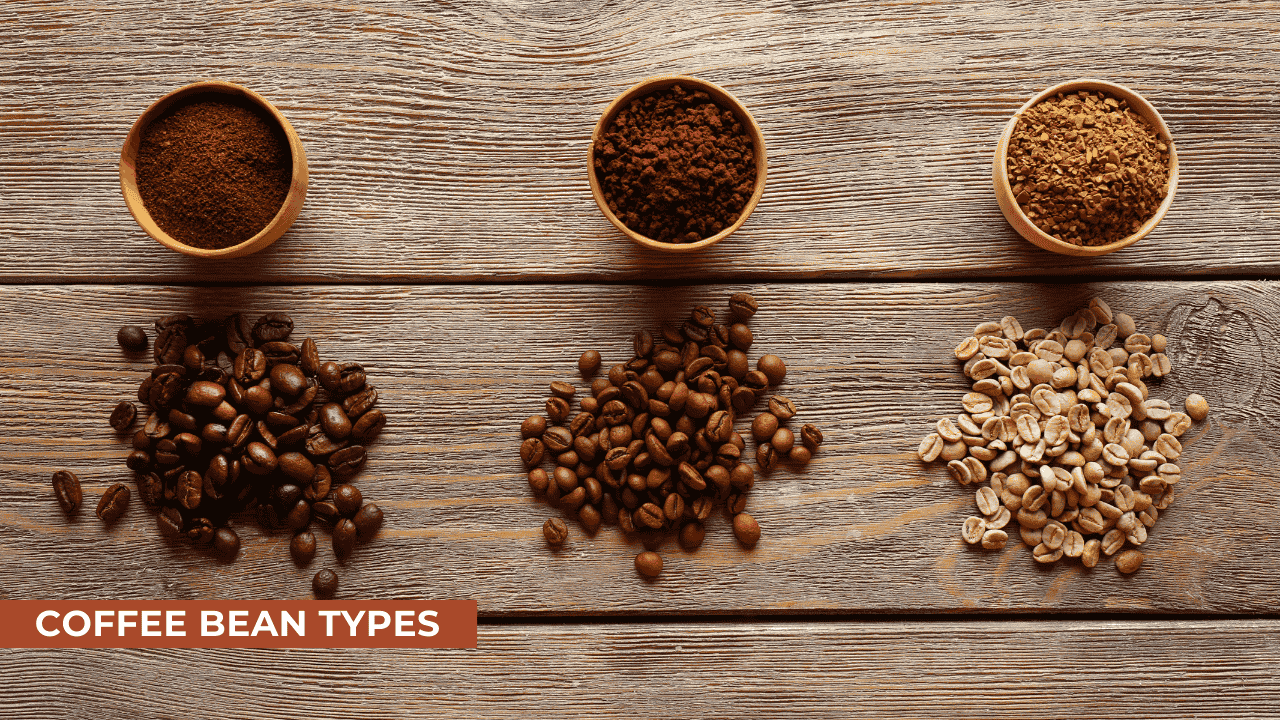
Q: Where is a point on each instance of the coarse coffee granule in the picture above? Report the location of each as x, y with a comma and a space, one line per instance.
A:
676, 167
213, 172
1086, 169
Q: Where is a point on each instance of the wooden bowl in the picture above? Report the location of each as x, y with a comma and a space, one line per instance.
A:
724, 100
1023, 224
284, 217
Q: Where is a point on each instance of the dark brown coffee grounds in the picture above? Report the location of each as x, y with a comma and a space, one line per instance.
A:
213, 172
676, 167
1086, 169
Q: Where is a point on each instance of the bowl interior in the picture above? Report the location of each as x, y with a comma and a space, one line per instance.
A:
283, 218
725, 100
1018, 219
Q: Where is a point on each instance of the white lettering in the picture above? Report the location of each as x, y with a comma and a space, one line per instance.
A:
211, 623
404, 623
125, 622
99, 622
352, 623
328, 615
264, 624
40, 623
174, 620
147, 622
422, 619
234, 623
300, 626
66, 623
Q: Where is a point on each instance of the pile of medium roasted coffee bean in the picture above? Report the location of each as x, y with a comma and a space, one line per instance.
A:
1062, 427
652, 447
243, 419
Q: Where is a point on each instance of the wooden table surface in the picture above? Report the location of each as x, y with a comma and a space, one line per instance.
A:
450, 242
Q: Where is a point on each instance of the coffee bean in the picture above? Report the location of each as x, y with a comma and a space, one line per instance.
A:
347, 498
226, 544
782, 407
743, 306
766, 456
132, 338
1129, 561
326, 512
288, 380
782, 441
649, 515
740, 336
296, 466
171, 343
772, 367
259, 459
368, 426
589, 362
325, 583
649, 564
272, 327
533, 426
811, 436
123, 416
346, 462
170, 523
113, 503
344, 538
309, 357
1197, 407
66, 487
746, 529
303, 547
368, 521
555, 532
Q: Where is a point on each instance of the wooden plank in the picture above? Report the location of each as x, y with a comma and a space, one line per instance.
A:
1051, 669
865, 527
448, 143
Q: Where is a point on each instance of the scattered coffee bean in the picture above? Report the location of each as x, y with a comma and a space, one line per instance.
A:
1197, 407
303, 547
649, 564
123, 416
746, 529
325, 583
226, 544
555, 531
132, 338
368, 521
66, 487
113, 503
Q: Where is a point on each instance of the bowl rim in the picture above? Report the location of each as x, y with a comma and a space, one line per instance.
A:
1018, 219
723, 98
278, 224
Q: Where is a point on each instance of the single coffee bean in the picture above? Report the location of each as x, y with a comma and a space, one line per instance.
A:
1129, 561
141, 441
190, 489
772, 367
250, 367
766, 457
258, 400
533, 426
303, 547
368, 426
170, 522
368, 521
205, 394
692, 534
272, 327
741, 478
347, 462
296, 466
325, 583
113, 503
151, 488
66, 487
649, 564
740, 336
226, 544
335, 421
558, 439
298, 516
351, 377
783, 440
309, 357
650, 516
132, 338
201, 531
288, 380
589, 362
532, 451
800, 455
743, 306
326, 512
782, 407
188, 444
344, 538
558, 409
347, 498
555, 531
138, 461
259, 459
171, 343
764, 426
811, 436
538, 480
746, 529
123, 416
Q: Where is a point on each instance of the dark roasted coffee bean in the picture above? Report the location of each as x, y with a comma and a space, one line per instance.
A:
267, 436
320, 485
189, 444
667, 361
589, 516
677, 445
533, 426
695, 332
368, 426
309, 357
720, 426
113, 502
347, 498
746, 529
150, 488
238, 333
742, 399
351, 377
132, 338
258, 400
226, 544
635, 395
783, 440
344, 538
141, 441
325, 584
180, 320
673, 508
690, 476
66, 487
811, 436
742, 477
558, 439
532, 450
649, 564
224, 413
743, 306
144, 390
781, 407
574, 498
635, 365
193, 358
271, 327
239, 432
692, 534
190, 490
235, 393
330, 376
335, 421
326, 512
740, 336
538, 480
756, 380
359, 402
296, 466
170, 522
582, 424
737, 364
171, 343
181, 421
166, 391
700, 508
559, 388
166, 453
287, 380
123, 416
303, 547
703, 316
214, 434
564, 477
259, 458
201, 531
138, 461
555, 532
298, 515
368, 521
250, 367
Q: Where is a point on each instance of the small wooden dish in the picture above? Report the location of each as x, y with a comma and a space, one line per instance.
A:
1027, 229
724, 100
284, 217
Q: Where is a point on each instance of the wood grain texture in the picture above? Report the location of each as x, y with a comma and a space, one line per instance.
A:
864, 528
1047, 669
447, 141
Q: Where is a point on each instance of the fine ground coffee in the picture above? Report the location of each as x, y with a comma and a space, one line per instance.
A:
213, 172
675, 167
1086, 169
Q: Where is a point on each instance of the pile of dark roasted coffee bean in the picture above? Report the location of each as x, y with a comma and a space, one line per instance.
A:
653, 447
241, 419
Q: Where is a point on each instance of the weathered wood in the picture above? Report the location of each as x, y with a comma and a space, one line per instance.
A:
448, 142
865, 527
1049, 669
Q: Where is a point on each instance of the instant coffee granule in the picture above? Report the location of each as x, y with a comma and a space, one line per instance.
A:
213, 172
676, 167
1086, 169
1062, 433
